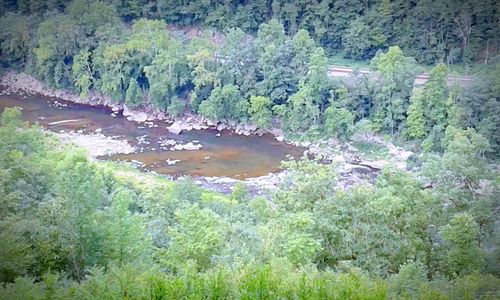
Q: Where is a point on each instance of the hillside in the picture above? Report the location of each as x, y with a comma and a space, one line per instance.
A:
395, 195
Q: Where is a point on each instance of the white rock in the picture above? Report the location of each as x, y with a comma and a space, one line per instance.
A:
221, 127
191, 146
175, 128
280, 138
211, 122
139, 117
172, 162
126, 111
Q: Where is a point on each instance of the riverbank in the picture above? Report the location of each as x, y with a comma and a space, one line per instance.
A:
14, 83
353, 164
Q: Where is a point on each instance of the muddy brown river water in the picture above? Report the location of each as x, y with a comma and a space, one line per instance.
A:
227, 155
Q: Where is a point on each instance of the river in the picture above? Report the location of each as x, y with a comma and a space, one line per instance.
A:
223, 154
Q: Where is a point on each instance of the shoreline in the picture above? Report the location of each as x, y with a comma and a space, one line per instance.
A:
352, 166
16, 82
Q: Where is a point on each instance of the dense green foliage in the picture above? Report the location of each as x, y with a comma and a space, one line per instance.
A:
431, 31
270, 65
77, 229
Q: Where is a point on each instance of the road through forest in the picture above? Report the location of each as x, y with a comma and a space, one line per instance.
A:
341, 71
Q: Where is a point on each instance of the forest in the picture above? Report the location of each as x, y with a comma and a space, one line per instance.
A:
273, 72
75, 228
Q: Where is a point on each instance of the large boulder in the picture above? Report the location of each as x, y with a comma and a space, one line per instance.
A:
135, 116
175, 128
211, 122
138, 117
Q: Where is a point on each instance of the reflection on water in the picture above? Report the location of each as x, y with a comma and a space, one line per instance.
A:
226, 155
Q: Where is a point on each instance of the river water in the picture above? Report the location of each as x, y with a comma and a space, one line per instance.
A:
222, 155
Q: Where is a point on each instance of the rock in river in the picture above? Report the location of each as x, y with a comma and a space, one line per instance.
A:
191, 146
175, 128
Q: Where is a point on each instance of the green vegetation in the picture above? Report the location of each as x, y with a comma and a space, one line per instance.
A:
81, 229
276, 51
72, 228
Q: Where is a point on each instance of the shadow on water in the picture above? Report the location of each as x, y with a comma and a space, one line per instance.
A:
225, 155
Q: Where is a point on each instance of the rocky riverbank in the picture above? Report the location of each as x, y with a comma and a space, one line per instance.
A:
14, 82
353, 164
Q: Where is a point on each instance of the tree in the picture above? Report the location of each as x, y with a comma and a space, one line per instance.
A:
237, 61
275, 52
302, 112
435, 96
300, 241
83, 77
201, 62
111, 62
197, 235
56, 46
225, 103
126, 240
479, 103
260, 111
97, 21
462, 179
415, 123
167, 72
176, 107
362, 38
463, 255
339, 122
11, 117
304, 108
395, 76
408, 280
303, 46
134, 94
16, 38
